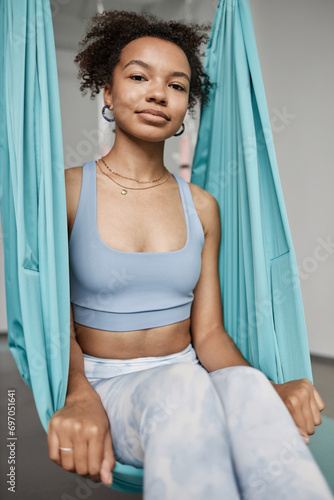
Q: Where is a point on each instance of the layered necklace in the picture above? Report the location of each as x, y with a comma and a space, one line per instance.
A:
125, 188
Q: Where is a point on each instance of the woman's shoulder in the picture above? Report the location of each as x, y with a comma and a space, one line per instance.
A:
73, 172
72, 175
73, 180
206, 205
203, 200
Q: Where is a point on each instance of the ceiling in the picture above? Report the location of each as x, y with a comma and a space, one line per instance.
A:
87, 8
70, 17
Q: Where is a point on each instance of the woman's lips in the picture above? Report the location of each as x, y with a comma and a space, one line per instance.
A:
150, 117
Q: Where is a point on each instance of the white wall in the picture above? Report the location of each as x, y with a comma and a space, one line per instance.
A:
295, 43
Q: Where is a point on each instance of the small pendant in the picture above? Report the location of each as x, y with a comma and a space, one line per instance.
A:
124, 191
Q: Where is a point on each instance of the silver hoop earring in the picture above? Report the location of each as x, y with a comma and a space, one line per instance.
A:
104, 116
179, 133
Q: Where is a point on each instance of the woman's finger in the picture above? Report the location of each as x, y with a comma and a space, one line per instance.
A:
304, 435
53, 445
318, 399
67, 457
80, 453
308, 416
108, 462
315, 411
294, 406
95, 452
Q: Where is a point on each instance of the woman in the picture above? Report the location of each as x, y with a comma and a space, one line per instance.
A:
155, 381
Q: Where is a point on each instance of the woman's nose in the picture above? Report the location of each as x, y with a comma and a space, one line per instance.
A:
157, 93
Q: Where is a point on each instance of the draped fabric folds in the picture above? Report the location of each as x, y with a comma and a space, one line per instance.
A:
33, 203
235, 161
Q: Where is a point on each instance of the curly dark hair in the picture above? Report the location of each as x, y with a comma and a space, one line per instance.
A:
108, 33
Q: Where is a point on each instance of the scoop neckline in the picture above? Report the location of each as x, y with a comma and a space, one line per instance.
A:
144, 253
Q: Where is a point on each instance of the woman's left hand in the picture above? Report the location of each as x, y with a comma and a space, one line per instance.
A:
303, 402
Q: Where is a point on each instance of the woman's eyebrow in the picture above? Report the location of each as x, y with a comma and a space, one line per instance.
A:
147, 66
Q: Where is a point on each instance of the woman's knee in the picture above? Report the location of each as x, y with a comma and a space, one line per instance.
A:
180, 393
181, 375
172, 386
236, 374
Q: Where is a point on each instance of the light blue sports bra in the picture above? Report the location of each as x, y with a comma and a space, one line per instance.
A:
122, 291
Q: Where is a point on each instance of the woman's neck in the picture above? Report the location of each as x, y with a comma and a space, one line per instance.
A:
133, 157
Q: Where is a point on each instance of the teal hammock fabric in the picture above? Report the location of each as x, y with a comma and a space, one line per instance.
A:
235, 161
256, 253
33, 203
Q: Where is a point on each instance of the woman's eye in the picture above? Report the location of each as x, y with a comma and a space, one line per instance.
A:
136, 76
179, 87
176, 85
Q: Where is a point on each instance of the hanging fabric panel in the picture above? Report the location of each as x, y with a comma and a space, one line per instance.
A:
235, 161
33, 203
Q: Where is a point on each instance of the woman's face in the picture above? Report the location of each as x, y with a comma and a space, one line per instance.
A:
152, 74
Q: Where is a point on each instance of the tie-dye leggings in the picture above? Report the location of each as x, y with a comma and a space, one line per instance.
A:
222, 435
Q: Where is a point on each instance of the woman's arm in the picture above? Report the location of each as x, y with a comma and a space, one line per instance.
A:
214, 347
82, 424
78, 386
218, 350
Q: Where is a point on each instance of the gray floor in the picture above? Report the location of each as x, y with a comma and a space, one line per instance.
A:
37, 477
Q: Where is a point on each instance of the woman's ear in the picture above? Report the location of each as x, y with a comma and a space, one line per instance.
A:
107, 95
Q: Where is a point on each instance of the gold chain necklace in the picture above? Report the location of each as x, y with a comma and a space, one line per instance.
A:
131, 178
124, 191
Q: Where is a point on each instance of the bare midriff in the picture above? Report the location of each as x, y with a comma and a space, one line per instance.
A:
159, 341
